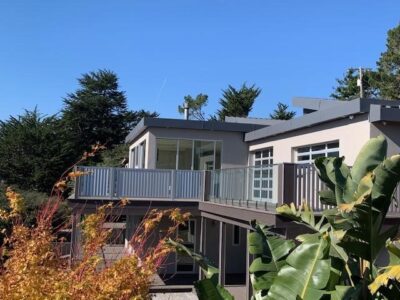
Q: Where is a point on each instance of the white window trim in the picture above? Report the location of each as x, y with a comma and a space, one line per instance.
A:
324, 151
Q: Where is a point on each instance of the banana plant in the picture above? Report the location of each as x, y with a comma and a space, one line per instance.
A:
361, 197
270, 252
387, 282
207, 288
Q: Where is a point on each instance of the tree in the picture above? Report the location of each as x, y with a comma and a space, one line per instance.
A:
237, 103
389, 66
115, 157
33, 151
282, 113
195, 106
348, 89
98, 112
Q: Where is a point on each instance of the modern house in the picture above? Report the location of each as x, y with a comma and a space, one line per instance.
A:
229, 173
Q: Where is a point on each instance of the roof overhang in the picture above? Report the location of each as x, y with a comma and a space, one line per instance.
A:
380, 113
330, 113
146, 123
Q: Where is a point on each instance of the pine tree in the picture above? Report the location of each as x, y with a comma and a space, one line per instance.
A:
282, 113
237, 103
389, 66
348, 89
33, 151
195, 106
98, 112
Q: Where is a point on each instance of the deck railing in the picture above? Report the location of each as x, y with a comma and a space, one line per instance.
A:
115, 183
261, 187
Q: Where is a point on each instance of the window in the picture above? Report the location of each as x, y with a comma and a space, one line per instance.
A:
307, 154
236, 235
137, 158
185, 154
188, 154
263, 175
203, 155
187, 233
166, 153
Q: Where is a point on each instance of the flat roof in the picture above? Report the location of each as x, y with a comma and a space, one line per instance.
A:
189, 124
330, 112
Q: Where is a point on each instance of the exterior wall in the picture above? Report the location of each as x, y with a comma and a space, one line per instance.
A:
351, 134
234, 149
392, 133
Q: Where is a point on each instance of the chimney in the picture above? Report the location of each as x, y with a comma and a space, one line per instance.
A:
186, 110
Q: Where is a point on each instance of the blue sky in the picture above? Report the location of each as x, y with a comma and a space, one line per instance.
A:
163, 50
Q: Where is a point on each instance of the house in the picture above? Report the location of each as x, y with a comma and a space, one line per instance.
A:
229, 173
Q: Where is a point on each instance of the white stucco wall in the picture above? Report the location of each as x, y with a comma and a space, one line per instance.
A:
351, 134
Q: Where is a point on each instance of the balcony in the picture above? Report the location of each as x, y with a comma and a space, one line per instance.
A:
258, 187
104, 183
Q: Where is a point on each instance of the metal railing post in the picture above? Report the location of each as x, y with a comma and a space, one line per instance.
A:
76, 184
173, 174
111, 182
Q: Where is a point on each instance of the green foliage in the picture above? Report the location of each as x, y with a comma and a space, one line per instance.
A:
389, 66
114, 157
269, 252
33, 201
347, 88
282, 113
237, 103
33, 151
98, 112
195, 106
207, 288
383, 82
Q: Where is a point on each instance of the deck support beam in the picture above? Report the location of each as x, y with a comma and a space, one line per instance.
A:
222, 253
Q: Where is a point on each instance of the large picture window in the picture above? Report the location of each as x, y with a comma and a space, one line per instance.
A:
188, 154
307, 154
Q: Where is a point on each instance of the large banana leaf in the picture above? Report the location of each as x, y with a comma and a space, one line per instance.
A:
208, 288
306, 274
270, 252
303, 215
367, 238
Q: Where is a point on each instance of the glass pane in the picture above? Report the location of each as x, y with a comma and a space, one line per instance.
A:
166, 153
185, 154
264, 183
264, 194
314, 156
318, 147
218, 146
203, 155
256, 193
303, 158
333, 145
258, 154
303, 149
333, 154
256, 183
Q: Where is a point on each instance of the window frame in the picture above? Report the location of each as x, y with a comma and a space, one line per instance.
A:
323, 152
193, 150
